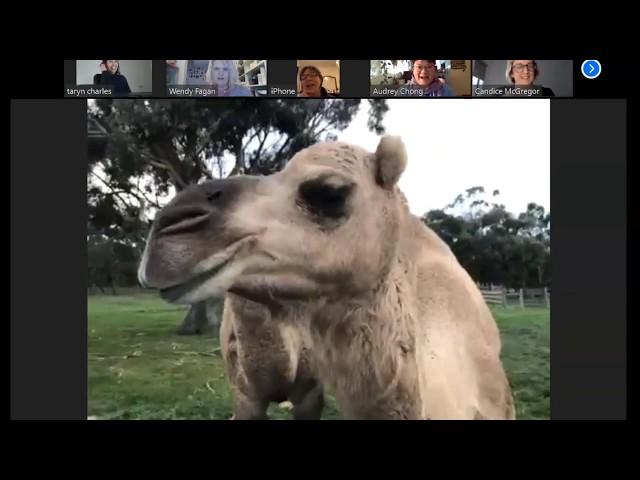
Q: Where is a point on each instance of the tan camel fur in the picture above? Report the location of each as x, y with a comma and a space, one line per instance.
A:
327, 248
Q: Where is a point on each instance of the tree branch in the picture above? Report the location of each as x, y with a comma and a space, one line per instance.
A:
219, 162
145, 198
244, 147
316, 117
201, 149
259, 151
284, 145
140, 196
235, 169
113, 191
177, 180
239, 151
202, 167
166, 153
322, 130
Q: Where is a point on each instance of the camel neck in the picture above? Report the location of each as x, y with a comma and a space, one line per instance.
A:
366, 351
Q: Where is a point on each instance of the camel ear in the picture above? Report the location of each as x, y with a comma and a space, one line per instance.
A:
390, 160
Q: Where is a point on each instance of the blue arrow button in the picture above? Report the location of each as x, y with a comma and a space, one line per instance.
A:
591, 68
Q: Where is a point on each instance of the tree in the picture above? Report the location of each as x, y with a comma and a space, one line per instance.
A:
492, 244
157, 147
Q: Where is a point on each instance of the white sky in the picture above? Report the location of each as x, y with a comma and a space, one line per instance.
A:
455, 144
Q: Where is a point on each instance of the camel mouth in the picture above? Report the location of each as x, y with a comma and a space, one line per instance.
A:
174, 293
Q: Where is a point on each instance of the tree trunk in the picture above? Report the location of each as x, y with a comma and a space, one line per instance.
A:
112, 283
202, 318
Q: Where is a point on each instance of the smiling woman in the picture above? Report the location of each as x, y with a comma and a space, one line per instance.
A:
318, 78
523, 73
111, 75
424, 74
311, 82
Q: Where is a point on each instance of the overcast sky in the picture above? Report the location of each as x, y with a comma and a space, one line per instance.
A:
455, 144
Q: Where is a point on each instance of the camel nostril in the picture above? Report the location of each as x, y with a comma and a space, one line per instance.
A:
181, 220
214, 195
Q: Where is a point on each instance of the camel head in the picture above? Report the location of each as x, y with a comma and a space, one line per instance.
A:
326, 225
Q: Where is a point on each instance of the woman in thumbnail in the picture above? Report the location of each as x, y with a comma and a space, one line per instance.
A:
311, 82
424, 74
523, 73
110, 75
224, 76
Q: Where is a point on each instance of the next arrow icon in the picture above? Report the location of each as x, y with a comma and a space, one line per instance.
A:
591, 69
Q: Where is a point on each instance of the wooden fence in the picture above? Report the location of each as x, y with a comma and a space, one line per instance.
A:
524, 298
492, 294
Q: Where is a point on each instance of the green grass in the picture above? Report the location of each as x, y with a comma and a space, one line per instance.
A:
140, 369
526, 356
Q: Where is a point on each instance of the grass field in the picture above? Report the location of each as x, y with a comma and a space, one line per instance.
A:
140, 369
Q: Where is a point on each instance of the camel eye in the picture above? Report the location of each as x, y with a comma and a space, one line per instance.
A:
324, 199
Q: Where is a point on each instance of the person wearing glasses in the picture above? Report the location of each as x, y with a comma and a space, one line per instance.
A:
311, 82
424, 74
523, 73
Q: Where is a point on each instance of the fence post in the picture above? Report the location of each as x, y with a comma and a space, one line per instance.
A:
504, 297
546, 296
521, 298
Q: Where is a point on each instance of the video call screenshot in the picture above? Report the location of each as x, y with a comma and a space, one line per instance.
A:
323, 239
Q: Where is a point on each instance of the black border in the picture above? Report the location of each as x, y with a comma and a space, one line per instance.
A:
588, 260
48, 330
583, 332
615, 82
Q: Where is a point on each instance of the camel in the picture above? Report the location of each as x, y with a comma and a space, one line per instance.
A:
396, 327
268, 359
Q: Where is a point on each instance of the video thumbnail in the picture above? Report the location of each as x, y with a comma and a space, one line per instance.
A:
420, 78
318, 78
216, 78
523, 78
116, 78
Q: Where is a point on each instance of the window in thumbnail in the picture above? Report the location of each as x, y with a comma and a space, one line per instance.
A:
126, 77
554, 77
437, 78
232, 78
318, 78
